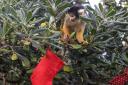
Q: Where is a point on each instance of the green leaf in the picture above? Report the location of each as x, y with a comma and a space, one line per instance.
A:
56, 34
29, 71
51, 11
25, 63
76, 46
125, 57
90, 8
38, 31
36, 11
86, 19
36, 44
13, 11
22, 15
98, 12
101, 7
58, 2
13, 18
93, 31
29, 16
72, 35
110, 12
59, 76
42, 50
63, 6
125, 15
6, 28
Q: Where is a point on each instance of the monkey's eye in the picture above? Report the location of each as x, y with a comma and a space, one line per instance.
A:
71, 15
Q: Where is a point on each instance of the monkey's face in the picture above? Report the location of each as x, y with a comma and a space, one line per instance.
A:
72, 17
75, 12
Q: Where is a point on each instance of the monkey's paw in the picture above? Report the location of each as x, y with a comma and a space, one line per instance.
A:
65, 38
85, 42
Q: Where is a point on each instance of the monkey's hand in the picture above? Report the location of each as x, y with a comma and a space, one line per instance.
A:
65, 37
85, 43
66, 34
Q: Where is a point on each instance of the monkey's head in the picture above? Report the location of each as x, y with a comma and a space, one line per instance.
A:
75, 12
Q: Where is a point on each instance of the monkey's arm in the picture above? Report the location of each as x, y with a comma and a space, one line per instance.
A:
65, 30
80, 33
66, 33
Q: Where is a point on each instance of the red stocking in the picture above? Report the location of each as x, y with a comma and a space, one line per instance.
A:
46, 70
120, 79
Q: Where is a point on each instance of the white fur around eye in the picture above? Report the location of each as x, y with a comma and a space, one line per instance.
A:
81, 11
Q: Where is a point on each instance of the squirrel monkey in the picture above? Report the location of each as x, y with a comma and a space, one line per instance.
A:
72, 23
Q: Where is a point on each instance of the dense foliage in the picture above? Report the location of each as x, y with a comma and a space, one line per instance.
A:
27, 27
